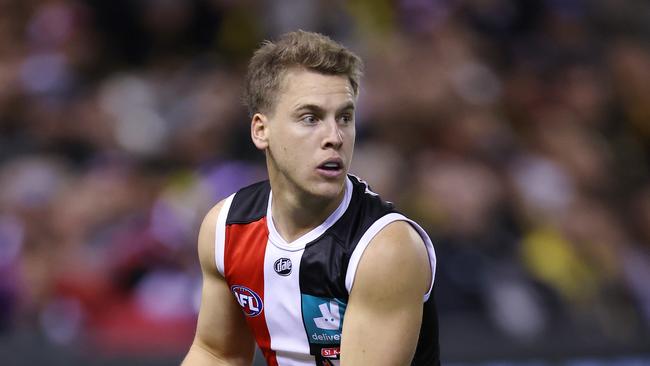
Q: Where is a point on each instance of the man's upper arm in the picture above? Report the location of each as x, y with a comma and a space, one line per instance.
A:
384, 312
222, 337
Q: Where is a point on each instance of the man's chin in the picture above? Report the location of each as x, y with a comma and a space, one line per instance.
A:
330, 189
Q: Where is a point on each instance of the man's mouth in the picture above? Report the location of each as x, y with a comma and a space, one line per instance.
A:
332, 168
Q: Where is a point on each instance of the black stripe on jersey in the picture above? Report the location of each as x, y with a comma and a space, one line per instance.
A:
321, 268
320, 276
249, 204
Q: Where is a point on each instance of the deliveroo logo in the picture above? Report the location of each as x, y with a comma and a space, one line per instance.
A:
331, 319
323, 319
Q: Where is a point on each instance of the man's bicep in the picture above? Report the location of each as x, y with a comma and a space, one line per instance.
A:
221, 328
221, 331
384, 313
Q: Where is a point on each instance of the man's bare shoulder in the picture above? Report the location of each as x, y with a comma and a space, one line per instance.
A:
397, 247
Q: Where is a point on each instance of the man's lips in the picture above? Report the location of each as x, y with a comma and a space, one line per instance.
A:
331, 167
331, 164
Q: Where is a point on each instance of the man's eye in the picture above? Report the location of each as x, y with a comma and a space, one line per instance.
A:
309, 119
346, 118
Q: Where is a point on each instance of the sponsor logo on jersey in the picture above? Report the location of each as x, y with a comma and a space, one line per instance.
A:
332, 352
325, 338
282, 266
323, 319
331, 317
250, 302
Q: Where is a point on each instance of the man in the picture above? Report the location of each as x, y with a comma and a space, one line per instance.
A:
311, 264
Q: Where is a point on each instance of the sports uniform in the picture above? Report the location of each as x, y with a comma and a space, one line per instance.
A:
294, 294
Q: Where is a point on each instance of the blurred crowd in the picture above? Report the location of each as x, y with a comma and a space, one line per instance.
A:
516, 132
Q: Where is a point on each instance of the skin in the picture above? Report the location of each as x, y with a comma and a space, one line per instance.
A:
233, 344
313, 122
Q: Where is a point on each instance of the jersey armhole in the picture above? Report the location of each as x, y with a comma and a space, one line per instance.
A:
220, 234
372, 231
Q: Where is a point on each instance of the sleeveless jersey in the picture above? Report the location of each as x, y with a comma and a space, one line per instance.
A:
294, 295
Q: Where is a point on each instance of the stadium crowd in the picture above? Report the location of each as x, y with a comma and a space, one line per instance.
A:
518, 132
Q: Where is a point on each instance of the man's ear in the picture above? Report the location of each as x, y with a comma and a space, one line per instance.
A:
260, 131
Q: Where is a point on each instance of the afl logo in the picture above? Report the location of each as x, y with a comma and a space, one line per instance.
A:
282, 266
251, 303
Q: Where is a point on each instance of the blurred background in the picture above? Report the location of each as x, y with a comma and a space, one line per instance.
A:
516, 132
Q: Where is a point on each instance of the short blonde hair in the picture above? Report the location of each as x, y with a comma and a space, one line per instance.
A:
309, 50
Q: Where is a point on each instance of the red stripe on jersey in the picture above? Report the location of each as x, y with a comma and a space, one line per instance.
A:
244, 266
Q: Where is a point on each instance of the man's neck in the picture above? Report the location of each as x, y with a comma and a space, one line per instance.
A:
295, 214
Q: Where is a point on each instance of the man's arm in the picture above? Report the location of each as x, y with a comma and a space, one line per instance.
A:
384, 312
222, 337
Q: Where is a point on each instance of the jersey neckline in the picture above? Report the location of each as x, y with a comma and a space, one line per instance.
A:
276, 239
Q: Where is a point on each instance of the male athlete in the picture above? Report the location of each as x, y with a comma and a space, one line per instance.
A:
311, 264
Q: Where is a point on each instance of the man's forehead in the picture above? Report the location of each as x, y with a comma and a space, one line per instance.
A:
305, 84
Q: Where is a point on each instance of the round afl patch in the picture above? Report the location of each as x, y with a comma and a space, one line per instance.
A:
250, 302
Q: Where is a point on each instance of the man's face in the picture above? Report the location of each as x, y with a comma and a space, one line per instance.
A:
310, 134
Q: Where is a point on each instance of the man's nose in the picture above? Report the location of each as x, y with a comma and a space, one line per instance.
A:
333, 134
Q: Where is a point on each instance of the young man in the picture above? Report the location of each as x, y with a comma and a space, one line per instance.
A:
311, 264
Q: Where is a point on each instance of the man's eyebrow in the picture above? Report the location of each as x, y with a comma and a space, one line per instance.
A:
319, 110
347, 107
309, 107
